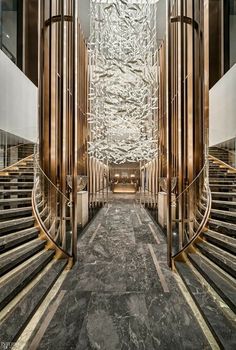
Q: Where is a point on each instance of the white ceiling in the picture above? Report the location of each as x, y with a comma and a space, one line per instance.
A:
84, 7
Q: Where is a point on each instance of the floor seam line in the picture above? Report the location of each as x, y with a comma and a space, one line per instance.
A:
158, 269
42, 329
154, 234
94, 234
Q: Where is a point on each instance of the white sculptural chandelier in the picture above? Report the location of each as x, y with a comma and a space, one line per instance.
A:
123, 81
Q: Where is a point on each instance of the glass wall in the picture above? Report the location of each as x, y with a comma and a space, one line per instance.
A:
11, 29
13, 148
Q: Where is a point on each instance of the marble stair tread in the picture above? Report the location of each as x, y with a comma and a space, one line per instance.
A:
9, 201
26, 167
213, 180
218, 169
14, 239
226, 176
18, 176
223, 194
223, 187
15, 321
223, 259
16, 256
16, 173
224, 214
15, 224
17, 183
221, 326
18, 281
221, 240
228, 204
223, 226
220, 282
15, 212
15, 191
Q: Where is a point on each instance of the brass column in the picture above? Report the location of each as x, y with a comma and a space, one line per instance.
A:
58, 100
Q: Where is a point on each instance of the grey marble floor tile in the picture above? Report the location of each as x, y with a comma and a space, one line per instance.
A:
64, 329
172, 322
116, 299
116, 322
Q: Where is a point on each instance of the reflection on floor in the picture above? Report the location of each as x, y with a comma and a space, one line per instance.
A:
121, 294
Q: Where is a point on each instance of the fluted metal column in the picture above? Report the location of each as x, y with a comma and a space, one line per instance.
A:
58, 113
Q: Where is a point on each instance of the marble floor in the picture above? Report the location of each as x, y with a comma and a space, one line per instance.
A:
121, 294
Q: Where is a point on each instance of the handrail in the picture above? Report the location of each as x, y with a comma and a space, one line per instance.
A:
225, 149
223, 163
52, 183
229, 153
205, 217
201, 226
16, 146
49, 219
60, 251
20, 156
191, 183
16, 164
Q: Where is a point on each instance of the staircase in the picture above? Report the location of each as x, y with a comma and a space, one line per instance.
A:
210, 268
27, 269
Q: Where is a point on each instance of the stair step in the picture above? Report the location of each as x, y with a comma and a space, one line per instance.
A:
14, 239
213, 180
224, 227
221, 240
24, 184
220, 257
15, 213
226, 176
223, 194
15, 201
215, 168
18, 281
223, 329
15, 321
223, 186
16, 176
228, 204
12, 192
16, 256
25, 167
223, 285
224, 215
15, 224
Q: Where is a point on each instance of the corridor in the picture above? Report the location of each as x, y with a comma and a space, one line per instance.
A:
120, 294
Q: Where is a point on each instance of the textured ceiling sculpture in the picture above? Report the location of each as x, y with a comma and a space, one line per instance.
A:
123, 81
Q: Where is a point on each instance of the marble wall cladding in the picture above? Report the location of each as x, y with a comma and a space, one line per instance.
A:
115, 297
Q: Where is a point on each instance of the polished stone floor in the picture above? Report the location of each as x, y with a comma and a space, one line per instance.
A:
121, 294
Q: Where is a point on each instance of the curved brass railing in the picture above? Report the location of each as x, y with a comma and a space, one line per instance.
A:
189, 213
189, 245
47, 203
231, 156
200, 191
221, 162
23, 152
